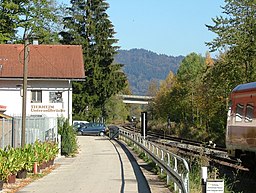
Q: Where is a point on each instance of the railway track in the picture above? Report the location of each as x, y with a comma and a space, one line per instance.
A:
193, 148
241, 177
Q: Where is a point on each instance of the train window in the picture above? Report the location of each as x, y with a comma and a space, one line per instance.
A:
249, 112
239, 111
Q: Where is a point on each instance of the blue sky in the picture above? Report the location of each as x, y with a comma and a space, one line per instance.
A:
171, 27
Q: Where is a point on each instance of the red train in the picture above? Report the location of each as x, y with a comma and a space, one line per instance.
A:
241, 121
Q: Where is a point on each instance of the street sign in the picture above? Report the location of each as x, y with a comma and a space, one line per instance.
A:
215, 186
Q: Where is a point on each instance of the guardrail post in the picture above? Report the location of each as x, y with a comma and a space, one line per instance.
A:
176, 170
162, 159
168, 163
157, 154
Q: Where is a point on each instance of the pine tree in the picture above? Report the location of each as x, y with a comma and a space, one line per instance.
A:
8, 20
236, 34
89, 25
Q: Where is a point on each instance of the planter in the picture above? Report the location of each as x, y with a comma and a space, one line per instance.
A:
1, 185
11, 179
43, 165
48, 164
22, 174
51, 162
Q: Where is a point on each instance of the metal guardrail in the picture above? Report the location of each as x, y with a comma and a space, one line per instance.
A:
175, 167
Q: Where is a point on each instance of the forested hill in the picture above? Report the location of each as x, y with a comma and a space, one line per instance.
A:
141, 66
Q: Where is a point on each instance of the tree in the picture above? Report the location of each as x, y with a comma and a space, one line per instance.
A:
208, 60
236, 35
40, 20
37, 19
189, 76
116, 110
162, 105
89, 25
8, 20
152, 88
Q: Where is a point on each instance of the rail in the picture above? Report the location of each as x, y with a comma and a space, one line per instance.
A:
175, 167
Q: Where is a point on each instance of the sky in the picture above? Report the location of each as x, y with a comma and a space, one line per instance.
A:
171, 27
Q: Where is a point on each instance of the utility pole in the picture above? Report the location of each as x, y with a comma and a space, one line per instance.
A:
24, 99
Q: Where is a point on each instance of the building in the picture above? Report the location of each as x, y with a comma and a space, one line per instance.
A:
51, 70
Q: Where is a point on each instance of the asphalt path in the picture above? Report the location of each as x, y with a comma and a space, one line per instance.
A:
102, 166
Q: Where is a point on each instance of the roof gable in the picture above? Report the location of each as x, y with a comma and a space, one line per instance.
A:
45, 61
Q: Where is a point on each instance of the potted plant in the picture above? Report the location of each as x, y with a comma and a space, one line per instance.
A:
11, 164
53, 151
27, 160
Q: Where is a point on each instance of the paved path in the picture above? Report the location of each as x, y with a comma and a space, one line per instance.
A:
102, 166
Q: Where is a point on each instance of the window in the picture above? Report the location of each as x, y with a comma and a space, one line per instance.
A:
36, 96
55, 97
249, 112
239, 112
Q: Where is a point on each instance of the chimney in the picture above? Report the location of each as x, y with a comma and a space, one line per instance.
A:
35, 42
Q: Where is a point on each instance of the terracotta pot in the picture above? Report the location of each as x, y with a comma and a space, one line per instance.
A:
43, 165
1, 185
22, 174
51, 162
11, 179
48, 164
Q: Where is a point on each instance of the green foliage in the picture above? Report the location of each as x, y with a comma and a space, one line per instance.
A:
89, 26
116, 111
11, 163
8, 20
236, 35
191, 103
197, 101
68, 137
38, 19
13, 160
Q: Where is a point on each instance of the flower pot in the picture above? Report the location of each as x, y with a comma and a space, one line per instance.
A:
22, 174
48, 164
43, 165
1, 185
51, 162
11, 179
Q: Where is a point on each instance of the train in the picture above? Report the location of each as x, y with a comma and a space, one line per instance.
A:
241, 121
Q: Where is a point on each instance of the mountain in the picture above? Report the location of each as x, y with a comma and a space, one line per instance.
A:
141, 66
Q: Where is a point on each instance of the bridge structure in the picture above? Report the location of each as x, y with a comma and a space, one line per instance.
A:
136, 99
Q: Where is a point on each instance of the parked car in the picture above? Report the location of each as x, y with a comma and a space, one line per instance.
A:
77, 124
92, 129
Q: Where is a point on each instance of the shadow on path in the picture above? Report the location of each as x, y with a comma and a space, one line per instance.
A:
142, 183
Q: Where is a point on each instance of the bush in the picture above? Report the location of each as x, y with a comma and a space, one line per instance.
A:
68, 138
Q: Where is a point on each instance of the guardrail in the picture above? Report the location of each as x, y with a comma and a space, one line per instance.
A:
175, 167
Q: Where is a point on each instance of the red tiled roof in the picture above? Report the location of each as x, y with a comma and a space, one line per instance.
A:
45, 61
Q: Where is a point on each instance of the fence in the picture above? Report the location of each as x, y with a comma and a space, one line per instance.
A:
174, 166
37, 128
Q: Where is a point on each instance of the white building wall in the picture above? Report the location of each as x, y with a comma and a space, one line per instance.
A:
10, 96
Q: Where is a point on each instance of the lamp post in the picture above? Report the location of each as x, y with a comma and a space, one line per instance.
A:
24, 99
